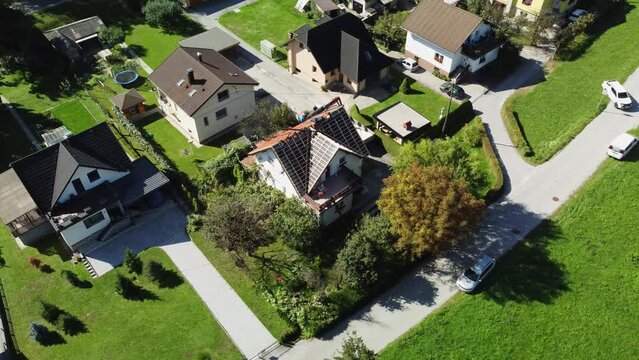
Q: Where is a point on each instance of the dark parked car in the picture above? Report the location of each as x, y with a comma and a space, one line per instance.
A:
452, 89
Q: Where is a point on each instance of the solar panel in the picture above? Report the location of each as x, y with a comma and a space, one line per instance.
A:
339, 128
56, 136
294, 153
322, 151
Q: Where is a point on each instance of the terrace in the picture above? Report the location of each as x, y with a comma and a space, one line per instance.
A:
333, 189
477, 49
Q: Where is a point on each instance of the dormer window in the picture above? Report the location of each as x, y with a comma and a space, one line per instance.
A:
93, 176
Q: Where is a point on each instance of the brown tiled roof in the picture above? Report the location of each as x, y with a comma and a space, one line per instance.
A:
210, 74
127, 99
444, 25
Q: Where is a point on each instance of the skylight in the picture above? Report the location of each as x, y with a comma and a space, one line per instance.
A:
179, 83
192, 92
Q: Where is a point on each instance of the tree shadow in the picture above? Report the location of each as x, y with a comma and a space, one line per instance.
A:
184, 26
527, 273
74, 280
138, 49
138, 293
47, 269
73, 326
52, 337
169, 279
51, 246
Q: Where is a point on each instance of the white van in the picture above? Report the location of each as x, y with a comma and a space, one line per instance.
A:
621, 146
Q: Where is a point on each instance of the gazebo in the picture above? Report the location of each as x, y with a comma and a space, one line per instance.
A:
130, 103
402, 123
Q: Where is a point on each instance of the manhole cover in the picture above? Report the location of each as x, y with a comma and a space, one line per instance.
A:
554, 198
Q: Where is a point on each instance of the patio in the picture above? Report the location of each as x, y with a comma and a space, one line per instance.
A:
165, 225
402, 123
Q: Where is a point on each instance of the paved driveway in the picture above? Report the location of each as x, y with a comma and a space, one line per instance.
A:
165, 226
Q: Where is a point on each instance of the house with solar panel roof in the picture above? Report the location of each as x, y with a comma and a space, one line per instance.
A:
319, 161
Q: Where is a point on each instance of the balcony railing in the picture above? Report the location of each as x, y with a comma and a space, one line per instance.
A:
477, 49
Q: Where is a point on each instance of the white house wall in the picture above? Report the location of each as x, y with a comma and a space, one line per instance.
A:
426, 51
331, 214
78, 231
81, 173
272, 172
239, 104
488, 58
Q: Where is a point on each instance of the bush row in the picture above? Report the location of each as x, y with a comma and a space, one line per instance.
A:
514, 127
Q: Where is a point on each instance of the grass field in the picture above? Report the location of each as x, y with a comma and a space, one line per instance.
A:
556, 110
75, 116
151, 44
177, 325
14, 144
570, 291
265, 19
176, 147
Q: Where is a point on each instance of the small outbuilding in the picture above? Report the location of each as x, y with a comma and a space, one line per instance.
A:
213, 39
130, 103
77, 39
402, 123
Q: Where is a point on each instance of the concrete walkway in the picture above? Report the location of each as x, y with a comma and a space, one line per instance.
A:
23, 125
535, 194
242, 326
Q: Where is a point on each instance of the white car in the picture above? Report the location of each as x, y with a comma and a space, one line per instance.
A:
473, 276
617, 94
410, 64
621, 146
576, 15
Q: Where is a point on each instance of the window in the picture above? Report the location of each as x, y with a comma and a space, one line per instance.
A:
93, 176
206, 121
439, 58
93, 219
77, 185
223, 95
220, 114
482, 59
314, 69
301, 46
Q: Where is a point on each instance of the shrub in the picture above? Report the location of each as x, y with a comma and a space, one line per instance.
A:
38, 332
111, 35
295, 225
353, 348
404, 87
35, 262
50, 312
438, 74
161, 13
473, 132
132, 262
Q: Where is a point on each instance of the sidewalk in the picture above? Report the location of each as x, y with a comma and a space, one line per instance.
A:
241, 325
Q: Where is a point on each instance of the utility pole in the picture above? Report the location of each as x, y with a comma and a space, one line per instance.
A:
450, 100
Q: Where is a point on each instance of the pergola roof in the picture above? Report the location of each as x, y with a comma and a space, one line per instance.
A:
395, 116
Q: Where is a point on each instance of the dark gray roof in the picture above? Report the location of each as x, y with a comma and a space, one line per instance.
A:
47, 172
210, 74
343, 43
15, 201
326, 5
143, 178
306, 150
77, 30
127, 99
213, 39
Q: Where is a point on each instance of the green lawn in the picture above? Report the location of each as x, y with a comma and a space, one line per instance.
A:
14, 143
75, 116
151, 44
176, 326
556, 110
242, 283
176, 147
265, 19
570, 291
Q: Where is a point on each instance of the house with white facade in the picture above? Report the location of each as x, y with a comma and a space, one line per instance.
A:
444, 37
319, 161
83, 188
202, 93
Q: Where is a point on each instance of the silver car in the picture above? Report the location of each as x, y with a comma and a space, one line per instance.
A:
473, 276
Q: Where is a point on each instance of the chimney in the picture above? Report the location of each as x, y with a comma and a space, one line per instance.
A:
407, 125
190, 76
199, 56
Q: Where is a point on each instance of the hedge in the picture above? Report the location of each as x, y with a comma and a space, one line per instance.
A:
514, 127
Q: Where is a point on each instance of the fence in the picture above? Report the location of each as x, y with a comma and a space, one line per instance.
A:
7, 324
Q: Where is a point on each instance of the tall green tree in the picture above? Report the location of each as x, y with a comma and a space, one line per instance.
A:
295, 224
369, 252
162, 13
388, 30
450, 152
111, 35
268, 118
429, 210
